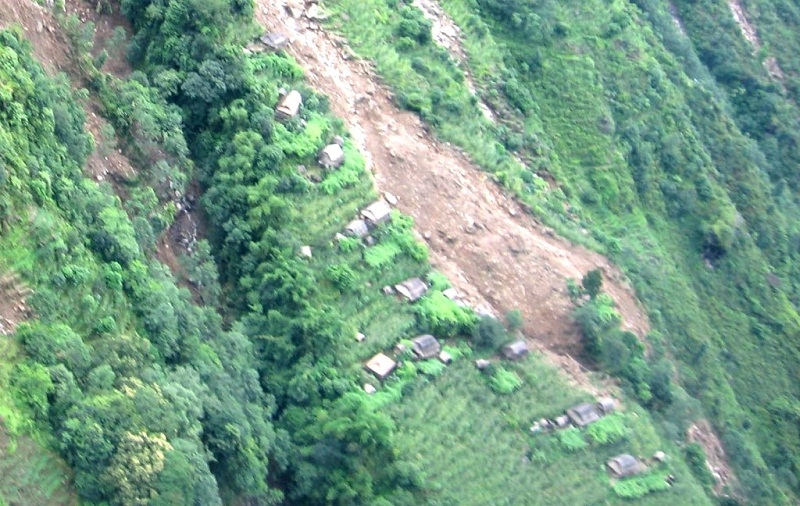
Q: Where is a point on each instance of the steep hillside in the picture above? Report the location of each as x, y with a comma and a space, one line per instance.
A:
264, 404
524, 122
681, 168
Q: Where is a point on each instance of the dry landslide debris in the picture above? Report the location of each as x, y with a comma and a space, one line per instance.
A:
478, 236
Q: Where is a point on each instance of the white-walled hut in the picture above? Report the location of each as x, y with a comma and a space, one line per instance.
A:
331, 156
516, 350
289, 105
377, 213
425, 346
624, 465
412, 289
380, 365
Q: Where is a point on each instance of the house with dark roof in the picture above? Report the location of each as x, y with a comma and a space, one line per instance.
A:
583, 414
624, 465
425, 346
412, 289
357, 228
516, 350
377, 213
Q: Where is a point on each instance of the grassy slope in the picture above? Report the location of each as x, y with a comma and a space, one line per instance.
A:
603, 65
29, 472
473, 446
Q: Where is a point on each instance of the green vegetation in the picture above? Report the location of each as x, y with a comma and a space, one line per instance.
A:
473, 446
679, 162
258, 397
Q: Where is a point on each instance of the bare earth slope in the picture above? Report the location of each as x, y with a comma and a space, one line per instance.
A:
477, 235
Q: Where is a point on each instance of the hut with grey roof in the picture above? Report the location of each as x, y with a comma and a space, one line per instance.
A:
606, 405
412, 289
377, 213
583, 414
425, 346
624, 465
357, 228
516, 350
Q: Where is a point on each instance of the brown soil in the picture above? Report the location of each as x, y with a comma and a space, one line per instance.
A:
478, 236
13, 304
749, 32
703, 434
107, 162
50, 46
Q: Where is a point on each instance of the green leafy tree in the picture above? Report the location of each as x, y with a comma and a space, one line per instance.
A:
592, 282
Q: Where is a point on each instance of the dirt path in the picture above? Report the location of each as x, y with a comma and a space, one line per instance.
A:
717, 461
749, 32
478, 236
447, 34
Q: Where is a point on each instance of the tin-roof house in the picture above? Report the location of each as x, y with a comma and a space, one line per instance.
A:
412, 289
377, 213
357, 228
516, 350
425, 346
583, 414
624, 465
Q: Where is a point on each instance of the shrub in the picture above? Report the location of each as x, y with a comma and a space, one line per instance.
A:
592, 282
504, 381
382, 254
489, 333
514, 320
640, 486
431, 367
341, 276
696, 459
572, 440
441, 316
608, 430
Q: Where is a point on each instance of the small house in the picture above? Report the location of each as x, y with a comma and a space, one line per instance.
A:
561, 422
289, 105
380, 365
425, 346
624, 465
606, 405
357, 228
445, 358
275, 40
377, 213
583, 414
412, 289
482, 364
331, 156
451, 293
516, 350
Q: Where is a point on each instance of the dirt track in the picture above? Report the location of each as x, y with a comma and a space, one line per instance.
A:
477, 235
